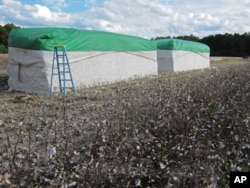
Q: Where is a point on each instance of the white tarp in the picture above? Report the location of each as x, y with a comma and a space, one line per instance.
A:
174, 61
30, 70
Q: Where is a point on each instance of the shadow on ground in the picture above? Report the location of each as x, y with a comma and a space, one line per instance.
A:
3, 82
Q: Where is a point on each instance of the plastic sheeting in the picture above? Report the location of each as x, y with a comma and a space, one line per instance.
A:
95, 57
84, 40
77, 40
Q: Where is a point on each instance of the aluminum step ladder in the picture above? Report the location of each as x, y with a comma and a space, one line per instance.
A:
61, 71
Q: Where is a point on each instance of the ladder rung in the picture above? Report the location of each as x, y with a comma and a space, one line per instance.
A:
60, 46
61, 69
62, 73
65, 68
65, 79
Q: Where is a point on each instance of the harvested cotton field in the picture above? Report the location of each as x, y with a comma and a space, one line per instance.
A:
187, 129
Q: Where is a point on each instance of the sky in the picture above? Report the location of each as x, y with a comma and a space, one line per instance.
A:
143, 18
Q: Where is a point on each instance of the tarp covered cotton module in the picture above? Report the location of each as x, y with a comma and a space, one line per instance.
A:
96, 57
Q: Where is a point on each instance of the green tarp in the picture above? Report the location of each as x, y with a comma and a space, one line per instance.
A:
177, 44
76, 40
87, 40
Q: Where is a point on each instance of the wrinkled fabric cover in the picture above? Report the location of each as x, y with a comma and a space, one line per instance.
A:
95, 57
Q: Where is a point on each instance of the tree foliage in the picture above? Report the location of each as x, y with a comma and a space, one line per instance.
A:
4, 35
222, 44
228, 44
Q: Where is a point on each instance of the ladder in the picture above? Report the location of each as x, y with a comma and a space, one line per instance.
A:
61, 69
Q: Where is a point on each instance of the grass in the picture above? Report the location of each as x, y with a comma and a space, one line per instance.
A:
186, 129
228, 60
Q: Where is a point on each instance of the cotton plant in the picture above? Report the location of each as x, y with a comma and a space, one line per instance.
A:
52, 152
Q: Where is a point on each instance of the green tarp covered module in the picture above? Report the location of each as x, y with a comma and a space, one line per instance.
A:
96, 57
77, 40
182, 45
175, 55
85, 40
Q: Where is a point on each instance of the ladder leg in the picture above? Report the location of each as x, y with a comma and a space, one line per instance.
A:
64, 75
70, 75
58, 69
52, 74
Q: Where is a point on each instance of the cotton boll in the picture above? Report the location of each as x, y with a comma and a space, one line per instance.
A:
72, 184
138, 183
238, 168
162, 166
20, 123
52, 152
221, 145
236, 138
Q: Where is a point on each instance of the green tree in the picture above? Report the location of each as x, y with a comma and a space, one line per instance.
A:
4, 36
189, 38
3, 49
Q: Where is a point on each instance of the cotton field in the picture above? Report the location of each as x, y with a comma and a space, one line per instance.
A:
187, 129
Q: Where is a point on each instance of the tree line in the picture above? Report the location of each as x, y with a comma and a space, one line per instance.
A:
4, 36
235, 45
220, 44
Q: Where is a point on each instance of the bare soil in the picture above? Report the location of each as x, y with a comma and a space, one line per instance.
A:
186, 129
3, 61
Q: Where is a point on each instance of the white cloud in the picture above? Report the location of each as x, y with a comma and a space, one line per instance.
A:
32, 15
41, 12
149, 19
135, 17
202, 21
144, 18
56, 5
12, 3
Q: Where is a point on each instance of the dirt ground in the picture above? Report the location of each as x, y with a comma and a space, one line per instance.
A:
3, 61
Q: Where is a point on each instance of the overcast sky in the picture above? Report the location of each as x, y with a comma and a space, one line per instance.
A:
144, 18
